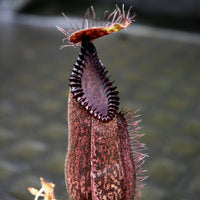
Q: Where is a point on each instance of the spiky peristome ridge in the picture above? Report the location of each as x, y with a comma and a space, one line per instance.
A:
90, 86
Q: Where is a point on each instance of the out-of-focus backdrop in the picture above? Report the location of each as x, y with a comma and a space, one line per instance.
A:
155, 64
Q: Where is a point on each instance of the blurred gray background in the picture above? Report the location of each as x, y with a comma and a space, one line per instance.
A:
179, 14
155, 64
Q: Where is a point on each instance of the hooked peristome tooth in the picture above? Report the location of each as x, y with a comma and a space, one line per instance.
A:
78, 67
112, 93
75, 72
76, 80
78, 94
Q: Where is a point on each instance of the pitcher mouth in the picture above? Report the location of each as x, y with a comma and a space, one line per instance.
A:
90, 85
